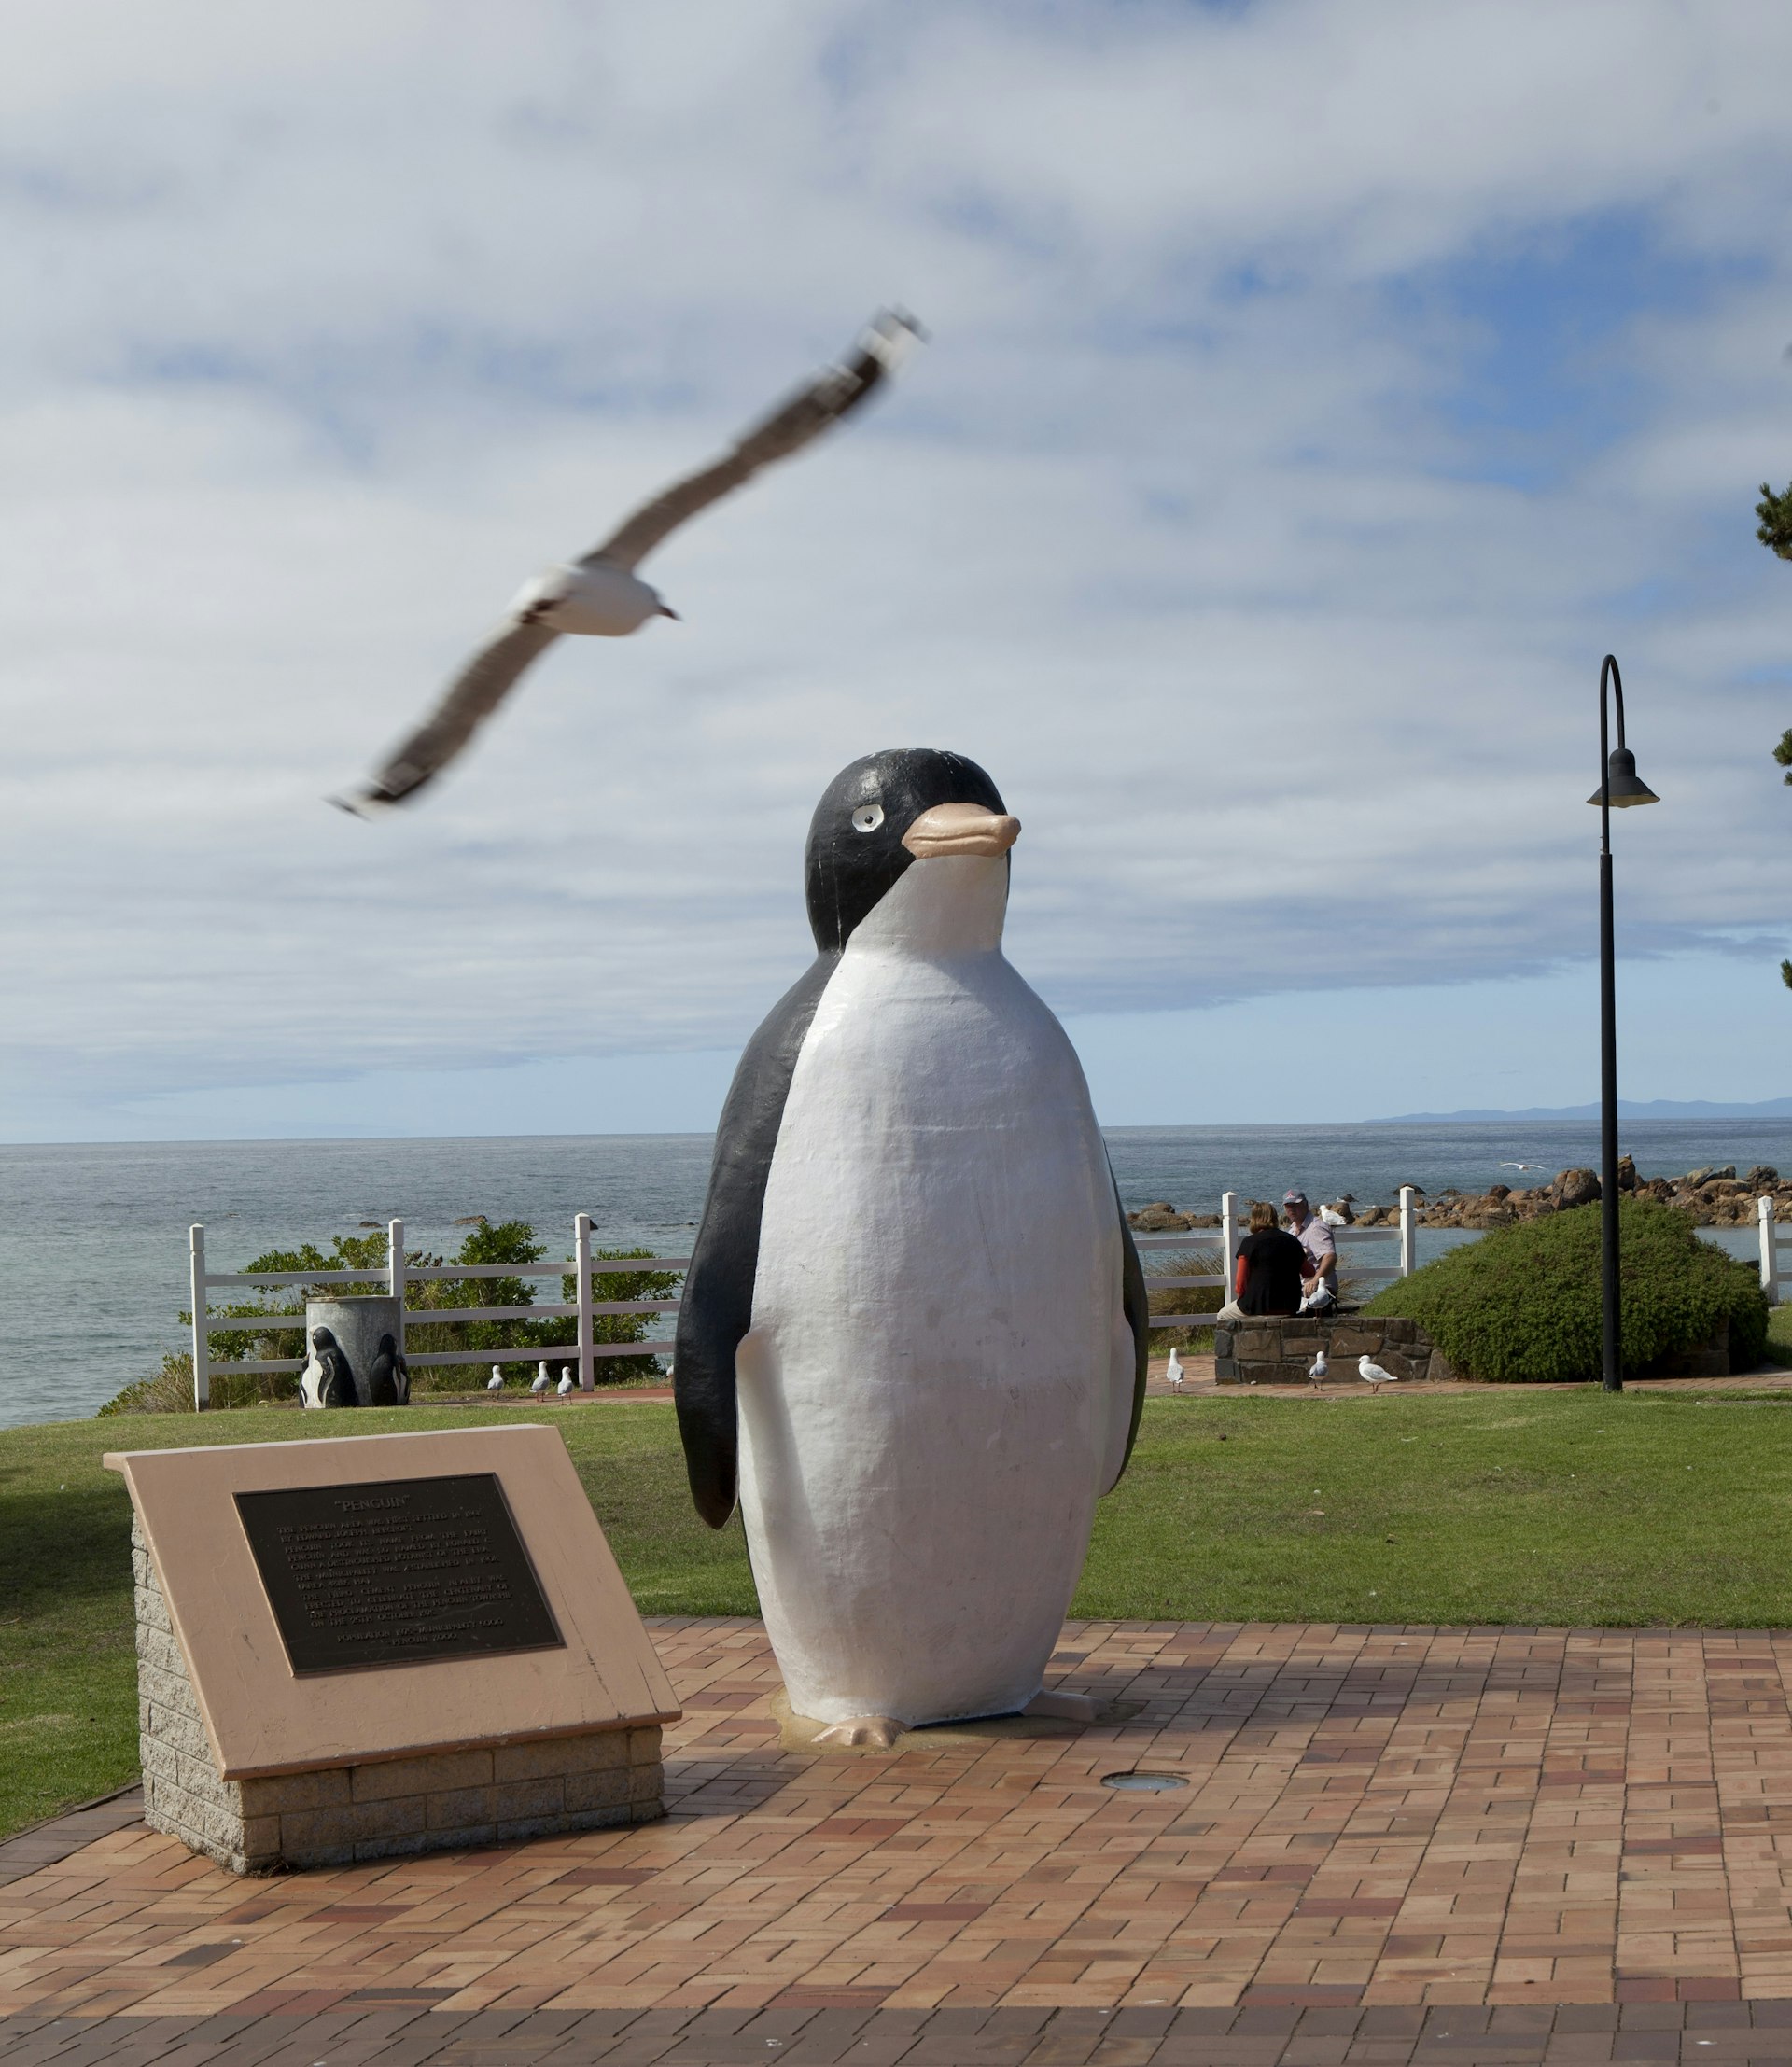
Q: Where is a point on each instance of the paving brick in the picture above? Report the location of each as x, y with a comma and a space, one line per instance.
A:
1396, 1845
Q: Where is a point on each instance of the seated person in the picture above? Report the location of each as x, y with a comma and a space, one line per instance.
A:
1269, 1266
1319, 1276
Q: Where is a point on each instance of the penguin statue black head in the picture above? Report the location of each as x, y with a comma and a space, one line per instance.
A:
885, 812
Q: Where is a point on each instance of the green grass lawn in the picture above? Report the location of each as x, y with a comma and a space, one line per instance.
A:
1550, 1507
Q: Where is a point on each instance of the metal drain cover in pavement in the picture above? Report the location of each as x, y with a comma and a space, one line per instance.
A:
1143, 1784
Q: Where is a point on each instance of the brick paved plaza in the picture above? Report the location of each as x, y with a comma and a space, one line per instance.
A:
1393, 1844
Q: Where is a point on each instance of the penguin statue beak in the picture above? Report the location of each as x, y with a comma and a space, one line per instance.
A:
961, 828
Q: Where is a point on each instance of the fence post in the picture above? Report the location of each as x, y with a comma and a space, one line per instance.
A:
202, 1340
1229, 1232
1409, 1234
395, 1271
1770, 1249
581, 1264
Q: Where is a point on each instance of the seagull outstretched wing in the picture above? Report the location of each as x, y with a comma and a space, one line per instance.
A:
471, 698
791, 426
494, 669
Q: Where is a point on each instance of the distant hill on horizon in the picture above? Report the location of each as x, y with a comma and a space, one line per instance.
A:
1629, 1109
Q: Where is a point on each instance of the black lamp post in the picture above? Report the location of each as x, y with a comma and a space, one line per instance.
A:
1619, 785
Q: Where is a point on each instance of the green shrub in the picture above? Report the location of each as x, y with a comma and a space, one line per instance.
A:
513, 1242
168, 1390
1523, 1303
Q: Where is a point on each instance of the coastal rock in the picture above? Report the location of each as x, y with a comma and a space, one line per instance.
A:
1161, 1217
1712, 1196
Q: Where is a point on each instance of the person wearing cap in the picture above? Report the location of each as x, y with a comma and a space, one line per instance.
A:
1319, 1283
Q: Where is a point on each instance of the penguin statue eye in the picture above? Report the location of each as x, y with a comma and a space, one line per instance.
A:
868, 817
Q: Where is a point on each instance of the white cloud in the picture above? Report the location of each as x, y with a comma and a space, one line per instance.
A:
326, 327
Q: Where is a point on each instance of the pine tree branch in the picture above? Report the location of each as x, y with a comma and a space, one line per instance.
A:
1775, 513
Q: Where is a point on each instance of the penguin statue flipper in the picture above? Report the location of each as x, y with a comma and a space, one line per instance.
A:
1130, 1369
717, 1308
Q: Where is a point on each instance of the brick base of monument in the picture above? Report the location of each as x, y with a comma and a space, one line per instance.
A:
1268, 1349
331, 1816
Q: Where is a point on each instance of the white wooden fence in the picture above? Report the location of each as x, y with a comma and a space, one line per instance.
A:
1403, 1231
584, 1351
581, 1353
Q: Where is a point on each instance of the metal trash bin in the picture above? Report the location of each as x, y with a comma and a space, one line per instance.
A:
354, 1353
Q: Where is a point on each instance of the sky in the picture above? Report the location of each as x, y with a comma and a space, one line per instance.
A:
1314, 396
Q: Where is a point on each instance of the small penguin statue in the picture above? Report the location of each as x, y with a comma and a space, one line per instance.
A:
388, 1384
913, 1334
327, 1379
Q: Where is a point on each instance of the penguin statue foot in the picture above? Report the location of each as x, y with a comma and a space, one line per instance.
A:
863, 1733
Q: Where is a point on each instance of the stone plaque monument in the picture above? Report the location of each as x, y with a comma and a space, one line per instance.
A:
365, 1646
395, 1572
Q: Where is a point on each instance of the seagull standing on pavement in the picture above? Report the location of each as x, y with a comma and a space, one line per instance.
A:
540, 1384
1317, 1369
1374, 1377
564, 1386
495, 1382
1174, 1375
601, 594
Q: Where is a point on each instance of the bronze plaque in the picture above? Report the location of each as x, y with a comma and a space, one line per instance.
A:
396, 1572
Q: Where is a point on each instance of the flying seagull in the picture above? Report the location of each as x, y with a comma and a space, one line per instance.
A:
601, 594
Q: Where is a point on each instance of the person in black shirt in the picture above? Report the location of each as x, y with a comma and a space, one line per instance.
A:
1270, 1263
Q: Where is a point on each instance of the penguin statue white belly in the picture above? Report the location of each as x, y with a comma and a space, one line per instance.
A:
914, 1312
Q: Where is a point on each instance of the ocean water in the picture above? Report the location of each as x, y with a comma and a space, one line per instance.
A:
93, 1238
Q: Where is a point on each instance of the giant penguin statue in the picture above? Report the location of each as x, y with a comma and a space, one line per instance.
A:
913, 1332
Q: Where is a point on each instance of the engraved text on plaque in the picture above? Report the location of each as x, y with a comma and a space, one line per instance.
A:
396, 1572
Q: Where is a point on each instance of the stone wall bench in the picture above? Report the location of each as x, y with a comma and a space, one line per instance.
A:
1268, 1350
